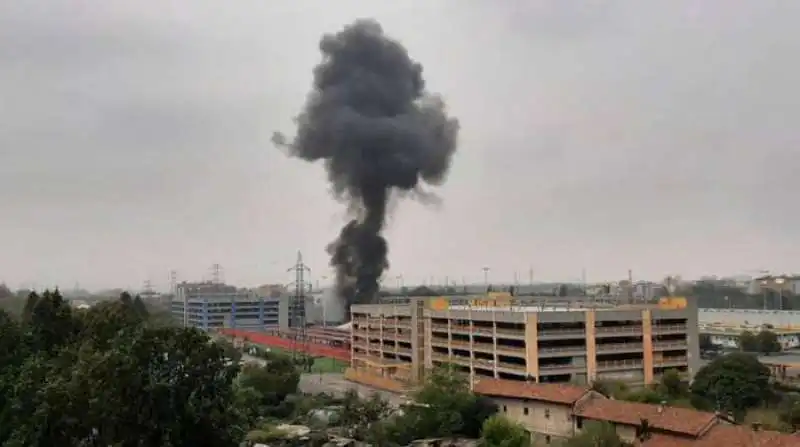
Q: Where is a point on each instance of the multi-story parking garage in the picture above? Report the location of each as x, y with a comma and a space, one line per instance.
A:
500, 337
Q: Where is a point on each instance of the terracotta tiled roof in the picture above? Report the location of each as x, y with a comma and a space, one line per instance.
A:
671, 419
543, 392
724, 435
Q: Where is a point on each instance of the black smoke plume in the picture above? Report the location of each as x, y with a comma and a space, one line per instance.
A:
379, 132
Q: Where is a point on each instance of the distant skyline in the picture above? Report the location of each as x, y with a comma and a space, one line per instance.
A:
655, 136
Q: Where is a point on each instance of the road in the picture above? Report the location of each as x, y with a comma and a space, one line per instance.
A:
334, 384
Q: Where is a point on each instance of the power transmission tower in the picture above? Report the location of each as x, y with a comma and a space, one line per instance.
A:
173, 281
297, 309
216, 274
148, 288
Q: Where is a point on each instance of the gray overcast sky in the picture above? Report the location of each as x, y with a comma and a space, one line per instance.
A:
660, 136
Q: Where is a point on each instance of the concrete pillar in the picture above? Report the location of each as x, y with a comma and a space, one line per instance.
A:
591, 347
532, 344
647, 345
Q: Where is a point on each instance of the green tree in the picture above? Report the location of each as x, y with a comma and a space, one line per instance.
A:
154, 387
789, 413
672, 385
357, 415
498, 431
231, 352
273, 381
748, 342
734, 383
443, 407
5, 292
27, 310
103, 378
596, 434
767, 342
102, 322
51, 324
139, 307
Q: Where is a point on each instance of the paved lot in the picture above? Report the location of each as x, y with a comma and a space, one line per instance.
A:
336, 384
333, 383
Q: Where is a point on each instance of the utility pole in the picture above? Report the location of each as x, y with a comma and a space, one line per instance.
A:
297, 308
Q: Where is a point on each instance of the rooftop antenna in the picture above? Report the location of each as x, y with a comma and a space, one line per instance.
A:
298, 308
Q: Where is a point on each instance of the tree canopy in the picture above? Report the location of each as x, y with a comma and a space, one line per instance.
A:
733, 383
104, 377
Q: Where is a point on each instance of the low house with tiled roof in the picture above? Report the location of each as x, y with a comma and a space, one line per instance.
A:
725, 435
544, 409
552, 412
627, 417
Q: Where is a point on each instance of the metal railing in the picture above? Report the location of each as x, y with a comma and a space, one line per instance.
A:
512, 366
560, 367
511, 332
669, 327
620, 364
559, 332
618, 329
669, 344
670, 360
560, 349
603, 347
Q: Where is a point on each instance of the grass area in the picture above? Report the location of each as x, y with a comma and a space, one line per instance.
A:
322, 365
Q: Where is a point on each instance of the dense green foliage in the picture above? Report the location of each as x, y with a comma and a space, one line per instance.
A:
108, 376
732, 383
498, 431
597, 434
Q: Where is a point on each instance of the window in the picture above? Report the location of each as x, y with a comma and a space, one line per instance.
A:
525, 411
579, 423
547, 413
547, 439
505, 410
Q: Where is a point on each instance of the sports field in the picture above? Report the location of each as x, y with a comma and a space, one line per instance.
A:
322, 365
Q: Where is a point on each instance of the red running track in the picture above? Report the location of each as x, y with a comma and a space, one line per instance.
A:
315, 349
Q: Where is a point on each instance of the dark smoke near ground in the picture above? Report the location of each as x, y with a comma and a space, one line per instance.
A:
379, 133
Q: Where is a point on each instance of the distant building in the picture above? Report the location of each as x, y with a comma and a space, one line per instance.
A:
208, 305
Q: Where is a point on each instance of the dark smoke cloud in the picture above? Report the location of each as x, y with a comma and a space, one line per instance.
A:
378, 131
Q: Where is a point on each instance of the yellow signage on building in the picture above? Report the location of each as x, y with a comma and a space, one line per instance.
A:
493, 300
672, 302
438, 304
496, 299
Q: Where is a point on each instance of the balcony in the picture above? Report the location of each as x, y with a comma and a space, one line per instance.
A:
439, 328
562, 351
511, 333
671, 361
440, 341
614, 331
604, 348
669, 328
560, 368
551, 334
669, 345
482, 330
515, 351
620, 364
514, 367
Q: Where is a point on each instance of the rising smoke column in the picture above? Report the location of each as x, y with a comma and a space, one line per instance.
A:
378, 131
